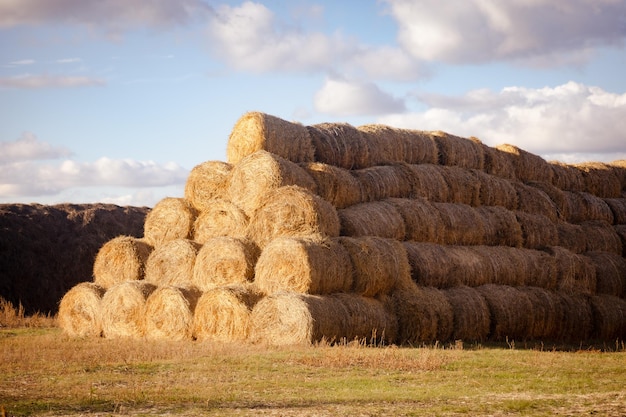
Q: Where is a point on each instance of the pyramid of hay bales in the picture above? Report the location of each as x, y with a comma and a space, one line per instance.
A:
333, 232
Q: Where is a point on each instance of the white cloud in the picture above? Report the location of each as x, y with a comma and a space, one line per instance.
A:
346, 98
542, 31
68, 60
49, 81
27, 147
21, 62
565, 122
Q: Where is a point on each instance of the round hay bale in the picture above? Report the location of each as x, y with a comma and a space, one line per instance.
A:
609, 317
334, 184
575, 273
620, 170
498, 163
546, 312
224, 260
538, 231
429, 182
376, 218
378, 264
501, 226
172, 263
169, 313
389, 144
495, 191
220, 218
528, 167
463, 185
292, 212
620, 231
223, 313
385, 181
123, 309
171, 218
510, 311
457, 151
122, 258
600, 179
534, 201
421, 219
470, 312
571, 237
582, 207
261, 173
601, 236
368, 320
339, 144
207, 181
460, 224
80, 310
255, 131
557, 196
566, 177
618, 208
610, 273
305, 266
576, 317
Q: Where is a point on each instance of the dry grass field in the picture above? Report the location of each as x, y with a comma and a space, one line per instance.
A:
45, 373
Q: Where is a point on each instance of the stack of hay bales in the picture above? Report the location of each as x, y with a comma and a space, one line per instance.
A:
334, 233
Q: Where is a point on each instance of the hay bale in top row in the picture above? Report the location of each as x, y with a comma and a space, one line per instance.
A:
389, 144
600, 179
527, 166
80, 310
171, 218
122, 258
207, 181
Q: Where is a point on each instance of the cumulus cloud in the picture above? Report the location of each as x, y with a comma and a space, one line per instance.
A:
29, 81
346, 98
571, 121
29, 147
475, 31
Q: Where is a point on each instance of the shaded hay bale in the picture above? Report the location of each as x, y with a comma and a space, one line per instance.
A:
620, 230
557, 196
528, 167
618, 208
224, 260
430, 183
421, 219
601, 236
498, 163
339, 144
609, 317
576, 317
510, 311
80, 310
385, 181
305, 266
495, 191
575, 273
457, 151
610, 273
534, 201
566, 177
572, 237
463, 185
546, 312
582, 207
600, 179
220, 218
538, 231
256, 131
169, 313
172, 263
122, 258
620, 170
470, 312
207, 181
223, 313
171, 218
123, 309
334, 184
389, 144
501, 226
369, 319
460, 224
376, 218
292, 212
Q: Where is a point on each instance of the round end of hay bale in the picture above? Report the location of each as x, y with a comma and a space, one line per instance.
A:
171, 218
169, 313
172, 263
206, 182
123, 308
220, 218
80, 310
121, 259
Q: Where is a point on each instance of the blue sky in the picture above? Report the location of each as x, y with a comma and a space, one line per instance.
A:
115, 101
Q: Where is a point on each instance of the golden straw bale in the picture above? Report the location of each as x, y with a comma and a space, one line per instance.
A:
601, 236
495, 191
457, 151
304, 265
470, 312
224, 260
376, 218
260, 173
575, 273
546, 312
463, 185
501, 226
207, 181
498, 163
220, 218
557, 196
339, 144
80, 310
389, 144
609, 317
460, 224
385, 181
378, 264
292, 211
535, 201
122, 258
421, 219
576, 317
255, 131
510, 311
600, 179
171, 218
582, 207
369, 320
566, 177
618, 208
429, 182
528, 166
123, 309
223, 313
537, 230
172, 263
610, 273
169, 313
334, 184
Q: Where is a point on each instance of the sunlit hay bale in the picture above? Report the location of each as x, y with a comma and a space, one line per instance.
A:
510, 309
460, 224
389, 144
256, 131
498, 163
292, 212
80, 310
582, 207
463, 185
501, 226
376, 218
546, 312
620, 230
600, 179
123, 309
339, 144
421, 219
557, 196
220, 218
429, 182
495, 191
378, 264
609, 317
224, 260
575, 273
618, 208
601, 236
538, 231
572, 237
470, 313
576, 317
122, 258
385, 181
457, 151
171, 218
534, 201
223, 313
528, 166
305, 266
169, 313
207, 181
259, 174
610, 273
334, 184
298, 319
369, 320
172, 263
566, 177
